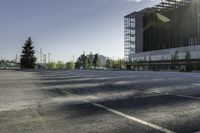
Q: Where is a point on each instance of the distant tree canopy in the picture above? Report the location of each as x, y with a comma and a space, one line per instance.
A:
90, 58
28, 59
109, 64
87, 62
51, 65
8, 63
96, 62
70, 65
93, 61
81, 62
115, 64
60, 65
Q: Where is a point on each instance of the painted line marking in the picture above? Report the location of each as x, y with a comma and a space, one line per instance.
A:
184, 96
196, 84
180, 95
123, 114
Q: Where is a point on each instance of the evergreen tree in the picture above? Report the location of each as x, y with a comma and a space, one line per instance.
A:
109, 63
96, 62
86, 63
28, 58
81, 62
90, 60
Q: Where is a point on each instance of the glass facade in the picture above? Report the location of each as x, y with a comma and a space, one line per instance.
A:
129, 37
172, 28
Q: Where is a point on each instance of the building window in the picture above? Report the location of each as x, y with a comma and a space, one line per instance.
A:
129, 38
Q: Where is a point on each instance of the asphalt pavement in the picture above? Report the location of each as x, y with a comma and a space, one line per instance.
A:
99, 102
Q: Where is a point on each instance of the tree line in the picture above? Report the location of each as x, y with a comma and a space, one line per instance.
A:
91, 61
87, 61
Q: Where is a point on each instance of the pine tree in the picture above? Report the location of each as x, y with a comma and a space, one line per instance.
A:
28, 58
96, 62
81, 62
109, 63
90, 59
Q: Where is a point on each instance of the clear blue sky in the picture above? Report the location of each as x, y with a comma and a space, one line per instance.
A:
66, 27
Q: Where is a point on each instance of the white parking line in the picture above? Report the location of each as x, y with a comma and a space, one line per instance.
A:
196, 84
123, 114
184, 96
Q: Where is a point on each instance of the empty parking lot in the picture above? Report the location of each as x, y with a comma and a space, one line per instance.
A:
99, 101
